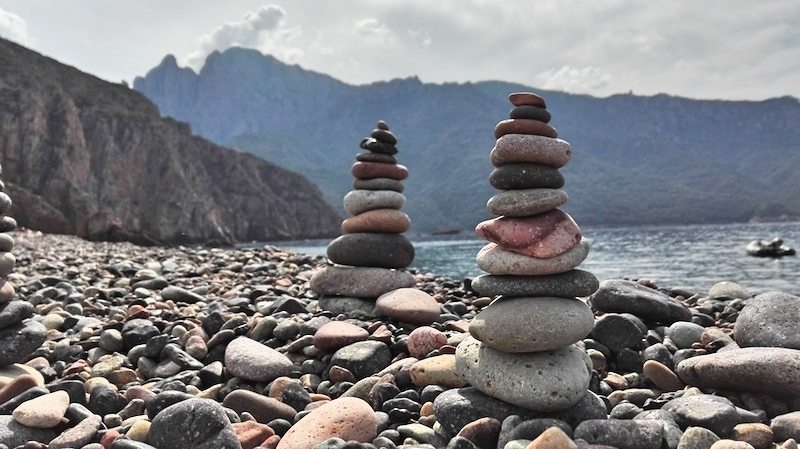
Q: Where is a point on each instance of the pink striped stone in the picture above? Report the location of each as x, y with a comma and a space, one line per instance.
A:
542, 236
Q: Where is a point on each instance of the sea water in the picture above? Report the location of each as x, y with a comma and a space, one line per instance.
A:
695, 256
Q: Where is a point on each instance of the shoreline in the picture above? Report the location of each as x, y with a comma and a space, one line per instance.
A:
105, 304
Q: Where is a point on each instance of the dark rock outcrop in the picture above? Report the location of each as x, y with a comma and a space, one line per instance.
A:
87, 157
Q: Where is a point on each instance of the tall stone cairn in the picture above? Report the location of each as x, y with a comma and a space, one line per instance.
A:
372, 249
521, 349
19, 336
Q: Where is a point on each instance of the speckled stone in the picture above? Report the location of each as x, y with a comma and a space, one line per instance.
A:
360, 201
359, 282
539, 381
495, 260
532, 324
530, 149
526, 202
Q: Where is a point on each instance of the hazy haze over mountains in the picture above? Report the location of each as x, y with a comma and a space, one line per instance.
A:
637, 160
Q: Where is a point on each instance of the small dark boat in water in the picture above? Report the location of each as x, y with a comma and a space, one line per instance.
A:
774, 248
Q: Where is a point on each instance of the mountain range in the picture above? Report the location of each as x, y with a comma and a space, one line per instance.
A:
84, 156
637, 160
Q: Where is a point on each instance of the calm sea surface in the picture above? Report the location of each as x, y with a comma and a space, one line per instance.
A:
694, 256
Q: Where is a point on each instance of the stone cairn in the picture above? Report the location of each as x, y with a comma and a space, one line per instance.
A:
372, 249
19, 337
521, 347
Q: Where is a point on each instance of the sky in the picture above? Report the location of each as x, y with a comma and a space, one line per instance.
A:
718, 49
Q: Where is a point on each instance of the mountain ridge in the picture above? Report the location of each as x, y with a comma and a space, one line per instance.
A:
638, 160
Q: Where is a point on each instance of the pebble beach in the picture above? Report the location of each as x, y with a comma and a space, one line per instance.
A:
146, 346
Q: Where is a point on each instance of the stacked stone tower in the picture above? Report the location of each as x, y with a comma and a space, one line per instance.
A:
19, 337
521, 348
372, 247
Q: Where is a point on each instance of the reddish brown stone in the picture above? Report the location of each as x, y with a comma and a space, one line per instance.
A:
542, 236
382, 125
337, 334
16, 387
425, 339
526, 99
483, 432
271, 442
7, 292
376, 157
346, 418
524, 126
370, 170
251, 434
377, 220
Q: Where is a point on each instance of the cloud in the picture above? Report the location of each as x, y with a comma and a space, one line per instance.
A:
573, 79
258, 29
13, 27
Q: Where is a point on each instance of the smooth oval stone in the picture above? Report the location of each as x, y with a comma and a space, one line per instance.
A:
384, 135
337, 334
526, 176
539, 381
526, 99
524, 126
377, 220
7, 293
769, 319
650, 305
408, 305
529, 112
771, 371
369, 170
7, 224
360, 201
350, 307
376, 157
7, 262
438, 370
263, 408
544, 236
359, 282
14, 312
378, 184
350, 419
78, 436
563, 285
6, 242
372, 250
532, 324
530, 149
250, 360
5, 203
44, 412
18, 341
193, 424
526, 202
715, 413
493, 259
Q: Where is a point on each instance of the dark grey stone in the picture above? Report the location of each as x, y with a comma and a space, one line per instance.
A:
193, 424
563, 285
650, 305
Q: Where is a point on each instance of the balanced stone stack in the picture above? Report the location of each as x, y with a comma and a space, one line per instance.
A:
521, 348
372, 249
19, 337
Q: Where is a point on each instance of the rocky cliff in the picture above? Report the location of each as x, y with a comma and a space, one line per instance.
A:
87, 157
